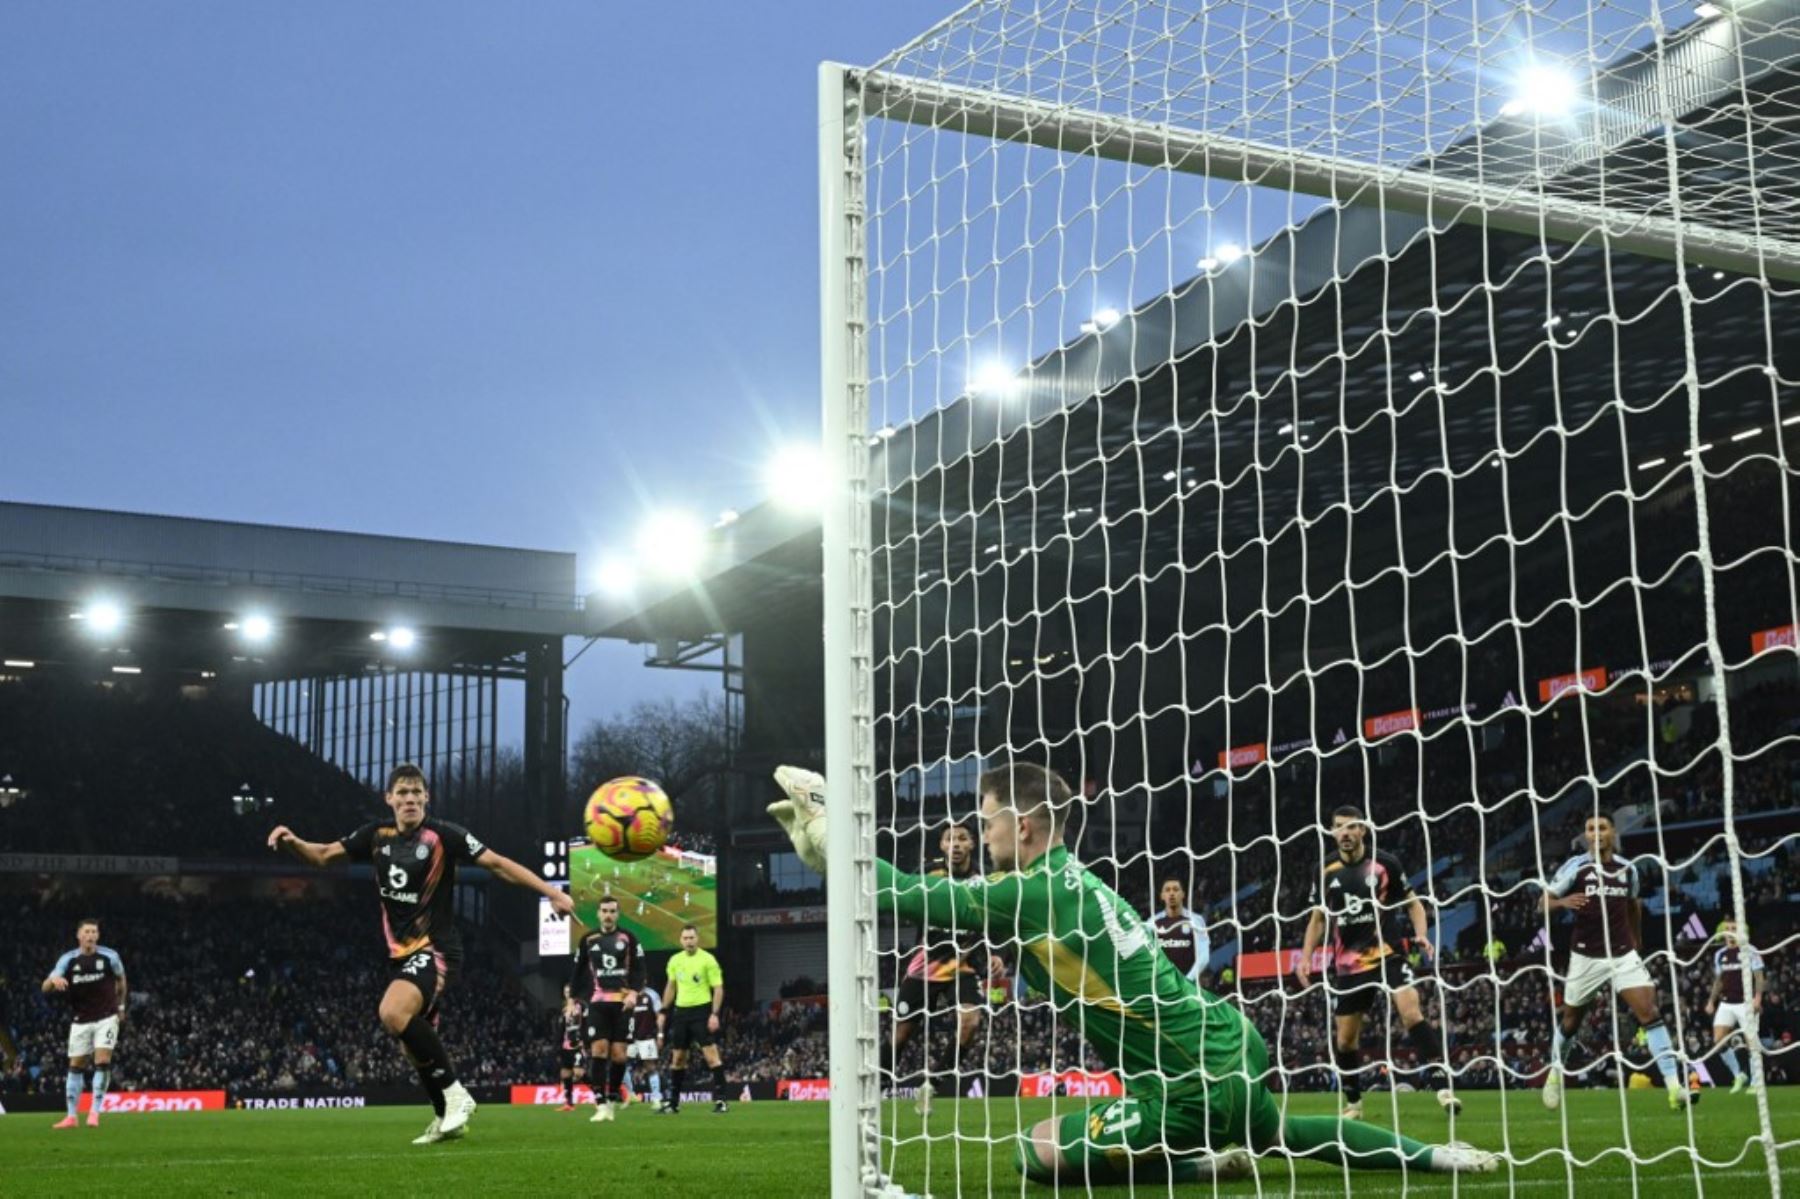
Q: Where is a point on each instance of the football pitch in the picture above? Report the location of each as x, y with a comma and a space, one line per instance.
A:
779, 1149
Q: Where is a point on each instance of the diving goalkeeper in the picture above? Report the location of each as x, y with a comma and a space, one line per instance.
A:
1192, 1065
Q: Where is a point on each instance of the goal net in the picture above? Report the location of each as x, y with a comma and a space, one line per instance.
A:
1249, 409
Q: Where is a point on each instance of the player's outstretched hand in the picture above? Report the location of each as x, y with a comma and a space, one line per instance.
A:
562, 904
281, 833
802, 814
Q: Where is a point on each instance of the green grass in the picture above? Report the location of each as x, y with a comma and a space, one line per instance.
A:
778, 1149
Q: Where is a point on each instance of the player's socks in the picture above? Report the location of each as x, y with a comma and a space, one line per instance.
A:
569, 1091
1349, 1062
718, 1080
102, 1078
600, 1077
677, 1081
656, 1091
1427, 1039
1352, 1143
1729, 1056
1662, 1050
427, 1052
72, 1087
1561, 1046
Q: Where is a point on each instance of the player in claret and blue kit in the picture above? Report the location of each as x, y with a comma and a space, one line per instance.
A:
415, 860
1733, 1011
92, 978
1193, 1066
1602, 888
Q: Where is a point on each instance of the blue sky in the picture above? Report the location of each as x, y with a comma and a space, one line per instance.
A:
507, 273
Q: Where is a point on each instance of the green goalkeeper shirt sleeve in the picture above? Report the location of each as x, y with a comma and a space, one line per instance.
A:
999, 906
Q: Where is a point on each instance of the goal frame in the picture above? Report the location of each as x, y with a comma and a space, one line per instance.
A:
850, 97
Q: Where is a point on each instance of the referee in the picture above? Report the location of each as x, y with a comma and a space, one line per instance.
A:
694, 994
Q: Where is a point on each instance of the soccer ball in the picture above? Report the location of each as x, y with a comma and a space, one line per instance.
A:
628, 819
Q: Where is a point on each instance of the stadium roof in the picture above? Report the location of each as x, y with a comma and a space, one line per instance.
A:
1585, 366
181, 581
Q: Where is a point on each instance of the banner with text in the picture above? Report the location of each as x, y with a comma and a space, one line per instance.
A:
1787, 635
1591, 679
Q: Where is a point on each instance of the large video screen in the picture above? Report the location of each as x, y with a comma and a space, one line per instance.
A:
656, 896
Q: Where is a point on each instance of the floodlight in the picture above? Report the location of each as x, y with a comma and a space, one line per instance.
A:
1542, 90
401, 637
256, 628
671, 544
104, 617
994, 379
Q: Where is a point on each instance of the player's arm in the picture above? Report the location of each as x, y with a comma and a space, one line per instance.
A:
1556, 891
1718, 989
58, 978
1759, 982
668, 1001
999, 906
118, 966
635, 979
1309, 945
577, 967
313, 853
507, 870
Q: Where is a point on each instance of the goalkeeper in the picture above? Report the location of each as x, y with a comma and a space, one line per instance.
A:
1193, 1066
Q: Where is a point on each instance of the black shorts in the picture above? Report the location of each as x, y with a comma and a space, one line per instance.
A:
428, 969
609, 1022
1355, 994
566, 1059
687, 1028
918, 995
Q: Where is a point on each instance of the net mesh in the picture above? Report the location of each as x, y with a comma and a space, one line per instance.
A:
1235, 503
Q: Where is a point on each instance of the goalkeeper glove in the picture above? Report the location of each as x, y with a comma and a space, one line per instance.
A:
802, 814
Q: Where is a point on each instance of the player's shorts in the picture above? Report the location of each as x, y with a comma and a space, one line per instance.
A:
1732, 1015
1355, 994
429, 970
95, 1034
687, 1028
917, 995
608, 1021
1234, 1110
1589, 976
566, 1059
642, 1051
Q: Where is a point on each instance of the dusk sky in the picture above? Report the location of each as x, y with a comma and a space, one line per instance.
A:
499, 273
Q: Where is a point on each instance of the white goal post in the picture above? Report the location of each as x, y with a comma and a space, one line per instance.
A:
1275, 369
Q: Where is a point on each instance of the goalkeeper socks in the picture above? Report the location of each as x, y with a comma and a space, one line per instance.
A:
1352, 1143
1349, 1064
427, 1052
1663, 1051
102, 1078
72, 1088
1427, 1039
677, 1080
1729, 1056
719, 1081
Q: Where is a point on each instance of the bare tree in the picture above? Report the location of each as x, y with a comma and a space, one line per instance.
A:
679, 745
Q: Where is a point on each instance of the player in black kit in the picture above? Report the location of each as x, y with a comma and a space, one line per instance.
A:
607, 974
415, 860
1362, 893
569, 1023
949, 968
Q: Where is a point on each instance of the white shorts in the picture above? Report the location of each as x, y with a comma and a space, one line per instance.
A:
1589, 976
641, 1051
1732, 1015
96, 1034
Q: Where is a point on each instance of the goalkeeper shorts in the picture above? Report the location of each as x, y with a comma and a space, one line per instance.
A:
1234, 1110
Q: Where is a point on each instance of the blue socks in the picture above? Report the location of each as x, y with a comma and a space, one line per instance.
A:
72, 1092
102, 1078
1663, 1050
1729, 1056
